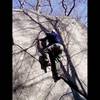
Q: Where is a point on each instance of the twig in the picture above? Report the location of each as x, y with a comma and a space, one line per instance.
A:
26, 51
64, 6
49, 1
71, 8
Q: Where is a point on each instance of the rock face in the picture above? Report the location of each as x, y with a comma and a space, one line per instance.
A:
30, 82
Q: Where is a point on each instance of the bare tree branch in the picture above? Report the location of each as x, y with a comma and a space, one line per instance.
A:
31, 5
21, 4
38, 6
65, 95
49, 1
72, 8
79, 52
25, 51
64, 6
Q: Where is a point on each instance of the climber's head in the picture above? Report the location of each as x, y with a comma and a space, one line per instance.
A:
41, 36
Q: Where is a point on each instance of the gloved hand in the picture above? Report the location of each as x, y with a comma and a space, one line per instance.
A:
45, 50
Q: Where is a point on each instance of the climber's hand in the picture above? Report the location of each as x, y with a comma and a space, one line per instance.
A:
45, 50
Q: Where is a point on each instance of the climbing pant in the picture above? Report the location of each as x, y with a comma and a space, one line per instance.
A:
57, 51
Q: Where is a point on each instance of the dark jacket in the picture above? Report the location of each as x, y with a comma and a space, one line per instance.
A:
54, 38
